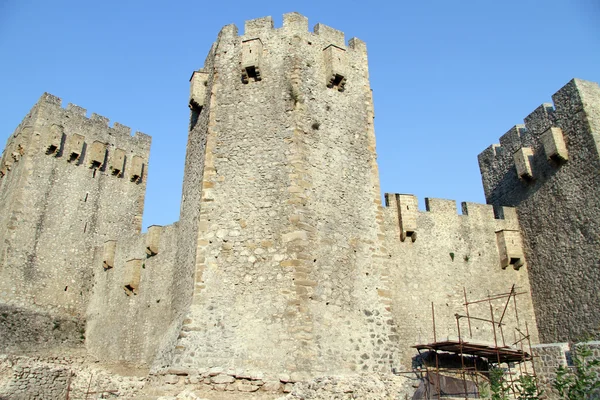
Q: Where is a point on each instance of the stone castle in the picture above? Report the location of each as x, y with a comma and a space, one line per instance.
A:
284, 266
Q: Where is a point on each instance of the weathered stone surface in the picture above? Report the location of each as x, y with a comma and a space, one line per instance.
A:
222, 378
284, 273
559, 211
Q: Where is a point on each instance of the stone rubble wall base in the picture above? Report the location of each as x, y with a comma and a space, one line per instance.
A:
43, 377
549, 357
368, 387
48, 377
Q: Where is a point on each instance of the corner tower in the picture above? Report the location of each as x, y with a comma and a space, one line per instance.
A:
548, 168
287, 266
67, 183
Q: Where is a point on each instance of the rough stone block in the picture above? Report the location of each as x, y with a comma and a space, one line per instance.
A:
117, 162
109, 254
222, 378
336, 64
554, 145
74, 147
510, 246
522, 158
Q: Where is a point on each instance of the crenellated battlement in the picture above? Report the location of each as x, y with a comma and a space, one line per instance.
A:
503, 222
68, 134
538, 148
51, 102
129, 256
409, 202
295, 23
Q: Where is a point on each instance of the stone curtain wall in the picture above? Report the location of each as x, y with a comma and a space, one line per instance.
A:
130, 308
558, 206
452, 253
21, 330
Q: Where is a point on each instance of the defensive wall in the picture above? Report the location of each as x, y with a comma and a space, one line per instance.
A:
439, 258
284, 266
548, 170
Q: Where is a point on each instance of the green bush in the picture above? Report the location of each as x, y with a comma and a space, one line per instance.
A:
582, 381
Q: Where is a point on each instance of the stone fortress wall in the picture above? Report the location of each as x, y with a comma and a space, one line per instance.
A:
548, 170
284, 265
446, 256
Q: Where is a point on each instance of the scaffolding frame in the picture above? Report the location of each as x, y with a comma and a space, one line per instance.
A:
496, 355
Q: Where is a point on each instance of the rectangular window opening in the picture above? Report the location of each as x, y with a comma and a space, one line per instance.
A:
196, 110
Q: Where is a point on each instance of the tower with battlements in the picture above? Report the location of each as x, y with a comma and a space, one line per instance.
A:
67, 183
548, 169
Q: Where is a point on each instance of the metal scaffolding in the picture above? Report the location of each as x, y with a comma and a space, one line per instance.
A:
468, 350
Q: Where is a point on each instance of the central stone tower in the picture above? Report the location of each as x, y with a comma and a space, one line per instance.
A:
288, 272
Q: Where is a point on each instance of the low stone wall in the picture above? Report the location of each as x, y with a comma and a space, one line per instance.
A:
224, 380
181, 385
49, 377
23, 330
25, 380
549, 357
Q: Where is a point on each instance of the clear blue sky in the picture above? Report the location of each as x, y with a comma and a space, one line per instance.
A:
448, 77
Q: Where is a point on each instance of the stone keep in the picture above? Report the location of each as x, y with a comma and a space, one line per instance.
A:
284, 261
60, 199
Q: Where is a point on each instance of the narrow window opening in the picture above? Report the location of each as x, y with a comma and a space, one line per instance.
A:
85, 227
196, 110
85, 199
251, 71
66, 287
338, 80
94, 173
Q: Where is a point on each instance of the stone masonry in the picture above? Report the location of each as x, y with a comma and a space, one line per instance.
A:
285, 272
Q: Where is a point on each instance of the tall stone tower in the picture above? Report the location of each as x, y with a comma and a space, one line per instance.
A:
67, 182
548, 168
287, 275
